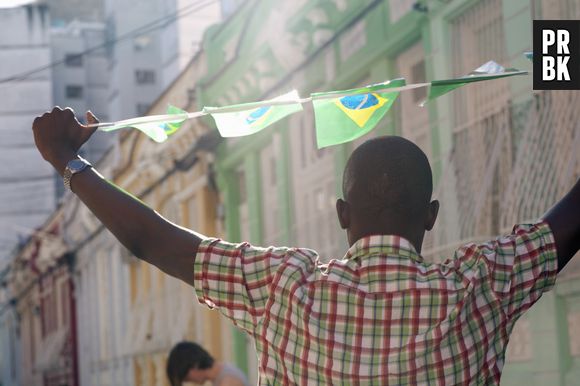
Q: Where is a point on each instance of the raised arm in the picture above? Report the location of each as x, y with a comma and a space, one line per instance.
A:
58, 136
564, 219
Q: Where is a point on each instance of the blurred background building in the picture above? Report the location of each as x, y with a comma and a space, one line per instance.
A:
81, 80
63, 12
27, 189
114, 58
501, 154
161, 36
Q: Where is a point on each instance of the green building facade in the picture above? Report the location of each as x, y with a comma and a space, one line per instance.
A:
500, 152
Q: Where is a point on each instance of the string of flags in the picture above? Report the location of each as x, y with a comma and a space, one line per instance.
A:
340, 116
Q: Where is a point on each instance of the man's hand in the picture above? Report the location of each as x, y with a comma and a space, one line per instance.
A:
59, 135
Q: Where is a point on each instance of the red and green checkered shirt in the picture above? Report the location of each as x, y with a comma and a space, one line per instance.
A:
381, 315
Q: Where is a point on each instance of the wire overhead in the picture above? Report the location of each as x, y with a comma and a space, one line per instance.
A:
149, 27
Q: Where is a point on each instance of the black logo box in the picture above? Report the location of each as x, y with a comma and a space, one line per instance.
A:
573, 28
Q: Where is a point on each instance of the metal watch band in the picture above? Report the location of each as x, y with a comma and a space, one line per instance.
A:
73, 167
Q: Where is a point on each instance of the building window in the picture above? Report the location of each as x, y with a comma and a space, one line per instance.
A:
74, 92
142, 108
141, 43
145, 76
73, 60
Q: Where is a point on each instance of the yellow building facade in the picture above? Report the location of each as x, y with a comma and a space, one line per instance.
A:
175, 179
130, 313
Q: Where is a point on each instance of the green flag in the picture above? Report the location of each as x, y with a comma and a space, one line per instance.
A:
160, 131
157, 130
171, 127
249, 118
488, 71
353, 113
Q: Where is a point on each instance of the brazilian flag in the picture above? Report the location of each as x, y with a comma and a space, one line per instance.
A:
172, 126
352, 113
160, 131
245, 119
151, 126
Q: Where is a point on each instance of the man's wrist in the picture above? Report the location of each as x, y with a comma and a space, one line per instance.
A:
60, 162
75, 166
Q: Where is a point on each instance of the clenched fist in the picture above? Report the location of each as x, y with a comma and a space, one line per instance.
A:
59, 135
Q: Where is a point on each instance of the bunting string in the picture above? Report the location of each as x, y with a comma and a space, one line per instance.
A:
340, 116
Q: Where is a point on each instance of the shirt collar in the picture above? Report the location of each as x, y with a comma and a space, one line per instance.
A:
383, 245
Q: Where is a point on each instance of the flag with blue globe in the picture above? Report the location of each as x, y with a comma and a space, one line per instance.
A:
246, 120
353, 113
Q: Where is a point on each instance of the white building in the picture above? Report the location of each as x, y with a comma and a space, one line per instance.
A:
156, 40
80, 80
64, 11
27, 189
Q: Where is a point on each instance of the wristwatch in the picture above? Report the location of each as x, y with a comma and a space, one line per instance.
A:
73, 167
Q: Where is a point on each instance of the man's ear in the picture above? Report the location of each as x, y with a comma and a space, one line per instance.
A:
432, 215
343, 212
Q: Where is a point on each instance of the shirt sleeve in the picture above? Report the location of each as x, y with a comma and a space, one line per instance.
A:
235, 278
521, 266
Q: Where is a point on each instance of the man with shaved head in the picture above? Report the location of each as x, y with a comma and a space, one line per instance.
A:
387, 187
381, 314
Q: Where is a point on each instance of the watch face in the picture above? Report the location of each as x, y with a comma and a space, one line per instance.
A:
77, 165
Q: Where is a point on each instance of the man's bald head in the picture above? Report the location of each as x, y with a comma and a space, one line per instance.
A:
387, 186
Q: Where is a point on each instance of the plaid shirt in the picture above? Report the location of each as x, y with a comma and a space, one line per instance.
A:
381, 315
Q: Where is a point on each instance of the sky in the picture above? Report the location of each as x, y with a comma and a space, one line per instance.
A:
14, 3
